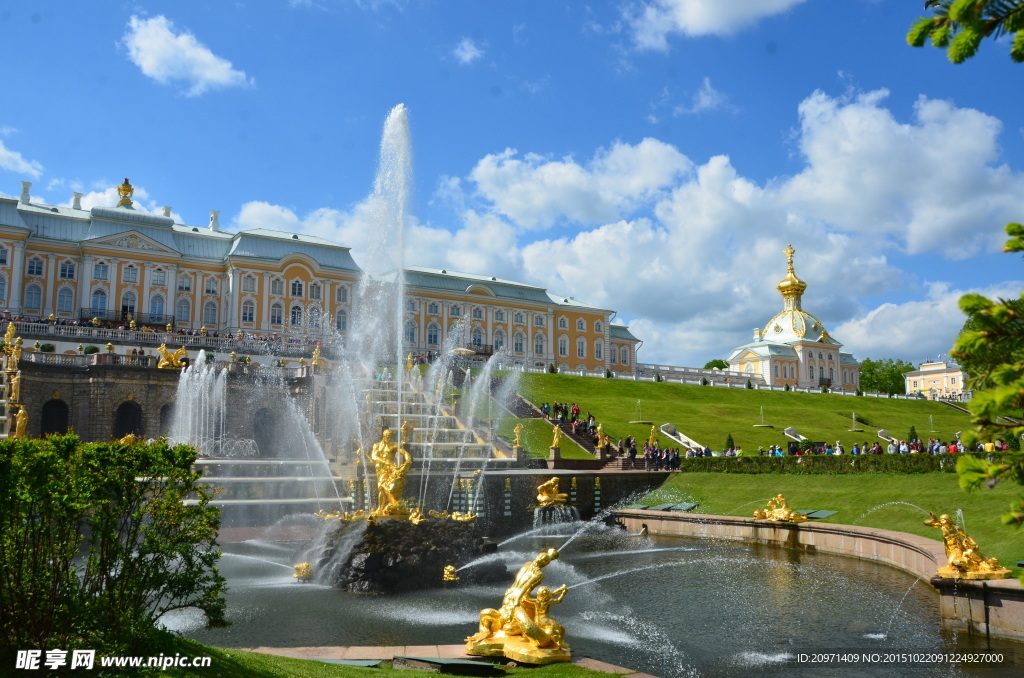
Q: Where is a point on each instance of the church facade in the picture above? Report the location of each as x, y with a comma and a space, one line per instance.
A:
794, 348
74, 264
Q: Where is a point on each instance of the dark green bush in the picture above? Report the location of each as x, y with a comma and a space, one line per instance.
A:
96, 543
90, 349
47, 348
831, 464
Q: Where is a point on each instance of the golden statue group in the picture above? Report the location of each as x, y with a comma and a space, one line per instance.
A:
391, 462
778, 511
521, 629
963, 559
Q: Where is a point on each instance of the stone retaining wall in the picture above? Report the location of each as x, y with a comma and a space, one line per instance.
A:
990, 607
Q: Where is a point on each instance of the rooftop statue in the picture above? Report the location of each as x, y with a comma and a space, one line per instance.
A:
963, 559
548, 494
521, 629
125, 191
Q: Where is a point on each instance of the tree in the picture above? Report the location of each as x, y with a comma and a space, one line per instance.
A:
884, 376
717, 362
959, 26
912, 435
729, 444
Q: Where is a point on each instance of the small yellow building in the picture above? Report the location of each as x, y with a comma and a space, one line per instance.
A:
937, 379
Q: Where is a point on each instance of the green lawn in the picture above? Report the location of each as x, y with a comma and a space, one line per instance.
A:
853, 496
708, 413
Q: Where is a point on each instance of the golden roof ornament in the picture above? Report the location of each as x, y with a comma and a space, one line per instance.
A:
791, 287
125, 191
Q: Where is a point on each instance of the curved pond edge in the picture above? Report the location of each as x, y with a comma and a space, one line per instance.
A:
993, 608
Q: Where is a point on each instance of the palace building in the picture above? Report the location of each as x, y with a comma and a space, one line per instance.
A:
74, 264
794, 347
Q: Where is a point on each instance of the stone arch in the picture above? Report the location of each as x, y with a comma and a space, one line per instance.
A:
53, 418
128, 419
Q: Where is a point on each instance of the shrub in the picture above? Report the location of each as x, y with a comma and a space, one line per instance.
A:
786, 387
749, 385
913, 434
96, 543
47, 348
551, 368
90, 349
607, 373
729, 444
831, 464
703, 381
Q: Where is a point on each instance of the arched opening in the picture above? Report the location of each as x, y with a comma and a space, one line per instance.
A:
128, 419
53, 418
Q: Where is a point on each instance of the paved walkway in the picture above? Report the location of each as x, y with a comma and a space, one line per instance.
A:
391, 651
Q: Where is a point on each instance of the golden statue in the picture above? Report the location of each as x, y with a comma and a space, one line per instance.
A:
521, 628
9, 334
316, 360
653, 440
558, 436
13, 354
168, 359
548, 494
303, 572
390, 475
130, 439
21, 422
408, 363
125, 191
449, 574
14, 395
518, 439
778, 511
963, 559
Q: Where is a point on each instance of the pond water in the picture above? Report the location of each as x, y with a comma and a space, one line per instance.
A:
665, 606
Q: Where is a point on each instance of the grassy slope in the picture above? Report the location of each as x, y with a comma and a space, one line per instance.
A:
854, 495
707, 414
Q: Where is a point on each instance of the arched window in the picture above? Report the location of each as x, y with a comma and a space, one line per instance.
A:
599, 350
3, 288
749, 369
249, 283
563, 346
410, 333
539, 344
598, 327
456, 311
810, 372
341, 321
538, 320
277, 314
776, 371
296, 288
433, 334
519, 342
341, 295
581, 326
314, 316
33, 297
581, 348
499, 316
478, 313
518, 318
613, 354
831, 374
432, 308
156, 306
478, 337
128, 303
296, 316
624, 355
64, 300
130, 274
210, 313
35, 266
314, 291
563, 323
182, 311
277, 287
248, 311
499, 340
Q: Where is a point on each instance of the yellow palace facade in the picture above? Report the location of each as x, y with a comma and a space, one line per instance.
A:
75, 265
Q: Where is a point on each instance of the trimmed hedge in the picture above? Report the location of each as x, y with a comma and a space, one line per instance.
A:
832, 464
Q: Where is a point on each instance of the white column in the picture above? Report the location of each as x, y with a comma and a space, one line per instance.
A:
17, 271
172, 291
234, 299
197, 294
145, 276
265, 316
84, 283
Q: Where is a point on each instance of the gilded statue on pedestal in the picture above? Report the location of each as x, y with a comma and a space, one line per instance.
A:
391, 463
521, 629
13, 350
558, 436
125, 191
168, 359
963, 559
14, 394
778, 511
518, 430
21, 422
316, 360
548, 494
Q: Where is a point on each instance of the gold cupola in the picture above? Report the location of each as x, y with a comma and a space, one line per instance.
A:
791, 287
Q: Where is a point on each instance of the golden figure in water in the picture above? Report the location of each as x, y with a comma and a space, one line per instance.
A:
548, 494
168, 359
778, 511
391, 463
521, 629
963, 559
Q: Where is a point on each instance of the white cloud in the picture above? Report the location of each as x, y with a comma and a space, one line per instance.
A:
466, 52
16, 162
169, 57
707, 98
656, 20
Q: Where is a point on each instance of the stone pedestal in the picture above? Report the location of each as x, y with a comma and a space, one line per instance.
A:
518, 452
604, 452
554, 453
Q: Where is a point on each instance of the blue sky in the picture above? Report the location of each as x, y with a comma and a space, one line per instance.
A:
650, 156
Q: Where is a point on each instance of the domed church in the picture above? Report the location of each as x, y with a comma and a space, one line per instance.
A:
794, 347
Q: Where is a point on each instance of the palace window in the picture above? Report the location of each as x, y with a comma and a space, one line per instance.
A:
410, 305
810, 372
276, 314
341, 295
499, 316
130, 274
478, 337
456, 311
613, 354
248, 311
410, 333
314, 291
210, 287
67, 270
277, 287
499, 340
432, 309
33, 297
184, 282
35, 266
99, 301
3, 256
433, 332
952, 380
156, 306
599, 350
341, 321
249, 283
518, 319
598, 327
64, 300
3, 288
563, 323
478, 313
581, 326
296, 316
210, 313
159, 277
296, 288
100, 271
776, 371
519, 342
563, 346
581, 348
314, 319
182, 311
128, 303
624, 355
539, 344
538, 321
